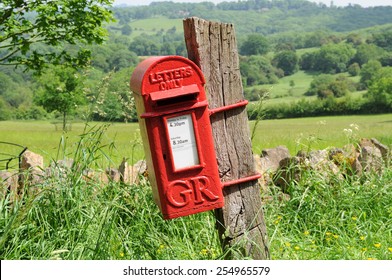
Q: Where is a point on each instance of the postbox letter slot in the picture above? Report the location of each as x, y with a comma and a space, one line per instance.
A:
174, 96
177, 99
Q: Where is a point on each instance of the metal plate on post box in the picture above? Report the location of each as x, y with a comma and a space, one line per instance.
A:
182, 141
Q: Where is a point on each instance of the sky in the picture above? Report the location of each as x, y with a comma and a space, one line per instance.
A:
363, 3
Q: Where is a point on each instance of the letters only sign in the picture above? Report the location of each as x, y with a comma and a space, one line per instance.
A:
176, 131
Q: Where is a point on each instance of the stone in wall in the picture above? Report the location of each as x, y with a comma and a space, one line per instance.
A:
370, 156
319, 161
113, 174
31, 170
8, 184
290, 169
346, 159
269, 160
130, 174
385, 151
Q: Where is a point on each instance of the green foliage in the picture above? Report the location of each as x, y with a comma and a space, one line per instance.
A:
111, 99
27, 25
331, 58
5, 112
256, 70
329, 106
386, 59
369, 71
326, 85
343, 219
367, 52
383, 40
354, 69
168, 43
61, 90
380, 90
157, 30
255, 44
287, 61
126, 30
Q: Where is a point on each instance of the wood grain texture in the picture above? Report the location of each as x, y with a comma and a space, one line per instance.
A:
213, 47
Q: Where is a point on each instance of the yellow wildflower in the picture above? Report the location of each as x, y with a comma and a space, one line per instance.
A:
336, 236
297, 248
390, 249
121, 254
278, 220
328, 233
362, 237
287, 244
354, 218
377, 245
160, 249
306, 232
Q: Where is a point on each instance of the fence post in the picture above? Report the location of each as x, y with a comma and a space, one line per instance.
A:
213, 47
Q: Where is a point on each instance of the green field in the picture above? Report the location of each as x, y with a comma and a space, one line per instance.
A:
282, 92
321, 132
119, 141
122, 140
152, 25
348, 217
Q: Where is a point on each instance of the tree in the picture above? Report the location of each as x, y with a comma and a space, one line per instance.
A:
366, 52
28, 25
255, 44
354, 69
61, 89
333, 58
369, 70
326, 85
257, 70
320, 86
126, 30
287, 61
383, 40
380, 90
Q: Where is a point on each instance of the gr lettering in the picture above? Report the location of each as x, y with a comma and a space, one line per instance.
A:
182, 192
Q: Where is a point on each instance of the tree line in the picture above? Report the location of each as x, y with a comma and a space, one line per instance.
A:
80, 73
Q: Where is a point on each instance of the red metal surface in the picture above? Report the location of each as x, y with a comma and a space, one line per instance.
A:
174, 117
241, 180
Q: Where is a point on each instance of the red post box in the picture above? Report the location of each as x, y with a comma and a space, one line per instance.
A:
175, 125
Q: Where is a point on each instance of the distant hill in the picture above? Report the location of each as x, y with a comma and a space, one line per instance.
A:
266, 17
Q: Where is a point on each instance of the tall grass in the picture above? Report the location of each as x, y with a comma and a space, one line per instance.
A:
349, 219
72, 217
69, 216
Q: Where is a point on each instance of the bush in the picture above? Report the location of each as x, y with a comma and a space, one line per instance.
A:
329, 106
354, 69
5, 112
31, 113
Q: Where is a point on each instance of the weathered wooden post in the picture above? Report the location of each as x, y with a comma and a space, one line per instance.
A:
213, 47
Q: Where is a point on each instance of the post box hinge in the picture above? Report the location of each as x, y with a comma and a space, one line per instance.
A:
241, 103
241, 180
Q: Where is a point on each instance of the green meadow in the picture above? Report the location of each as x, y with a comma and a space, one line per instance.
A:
122, 140
72, 218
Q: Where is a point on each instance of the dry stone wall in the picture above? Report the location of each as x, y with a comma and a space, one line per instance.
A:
276, 165
32, 173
